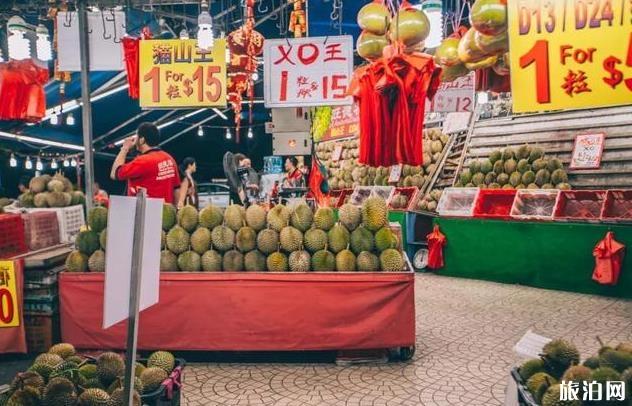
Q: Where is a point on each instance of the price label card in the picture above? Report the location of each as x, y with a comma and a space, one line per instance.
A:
9, 303
570, 54
175, 73
337, 153
457, 95
587, 151
395, 174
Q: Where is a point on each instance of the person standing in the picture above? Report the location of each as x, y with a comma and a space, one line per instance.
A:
101, 197
153, 169
187, 194
293, 175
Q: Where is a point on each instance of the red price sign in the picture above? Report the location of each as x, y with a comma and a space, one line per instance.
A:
9, 315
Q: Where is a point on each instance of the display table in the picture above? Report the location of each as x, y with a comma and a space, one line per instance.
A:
551, 255
251, 312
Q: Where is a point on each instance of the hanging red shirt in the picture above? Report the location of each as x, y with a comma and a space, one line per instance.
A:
155, 170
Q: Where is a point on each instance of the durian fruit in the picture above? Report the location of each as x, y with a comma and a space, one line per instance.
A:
617, 360
299, 261
96, 262
169, 216
64, 350
559, 176
374, 213
94, 397
345, 261
110, 365
40, 200
539, 383
178, 240
26, 199
87, 242
542, 177
291, 239
625, 346
495, 156
234, 217
338, 238
577, 373
362, 240
552, 398
277, 262
117, 398
103, 239
25, 396
530, 367
60, 392
268, 241
98, 219
554, 164
523, 152
88, 371
162, 359
314, 240
68, 369
200, 240
536, 153
278, 217
367, 262
391, 260
45, 363
324, 218
49, 358
233, 261
591, 362
539, 164
28, 379
210, 217
502, 179
168, 261
77, 198
302, 217
223, 238
256, 217
92, 383
152, 378
188, 218
323, 261
498, 167
56, 186
76, 262
350, 216
559, 355
508, 153
510, 166
38, 184
528, 177
385, 239
255, 261
211, 261
486, 166
189, 261
246, 239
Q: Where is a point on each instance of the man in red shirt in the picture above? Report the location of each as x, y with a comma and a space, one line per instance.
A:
293, 175
153, 169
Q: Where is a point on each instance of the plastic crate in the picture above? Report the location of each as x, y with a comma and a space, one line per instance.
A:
360, 194
585, 205
12, 239
41, 332
384, 192
41, 230
409, 192
70, 219
40, 304
494, 203
160, 397
534, 204
458, 202
617, 206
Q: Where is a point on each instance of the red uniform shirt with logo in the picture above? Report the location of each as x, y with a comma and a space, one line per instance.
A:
155, 170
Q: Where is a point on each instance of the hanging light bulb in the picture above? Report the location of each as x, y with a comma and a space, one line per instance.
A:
54, 118
70, 119
12, 161
19, 46
43, 46
53, 164
255, 76
229, 135
28, 164
66, 163
39, 165
184, 34
205, 38
73, 162
250, 134
200, 131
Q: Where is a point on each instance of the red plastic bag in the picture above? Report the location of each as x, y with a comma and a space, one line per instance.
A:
608, 255
436, 241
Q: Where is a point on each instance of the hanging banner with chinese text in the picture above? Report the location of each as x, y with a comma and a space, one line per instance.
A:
311, 71
345, 122
9, 301
570, 54
175, 73
455, 96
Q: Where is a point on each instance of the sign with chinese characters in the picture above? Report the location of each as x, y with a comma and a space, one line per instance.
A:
570, 54
395, 174
455, 96
175, 73
9, 303
345, 122
587, 151
311, 71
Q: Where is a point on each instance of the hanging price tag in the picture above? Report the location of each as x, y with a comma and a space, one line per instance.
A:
587, 151
9, 304
395, 174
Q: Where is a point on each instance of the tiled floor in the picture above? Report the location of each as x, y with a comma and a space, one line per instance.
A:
465, 333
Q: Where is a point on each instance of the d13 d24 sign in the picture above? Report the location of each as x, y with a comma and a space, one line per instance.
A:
312, 71
570, 54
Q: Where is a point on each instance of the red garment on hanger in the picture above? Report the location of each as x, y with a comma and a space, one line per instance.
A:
436, 241
608, 255
22, 91
131, 50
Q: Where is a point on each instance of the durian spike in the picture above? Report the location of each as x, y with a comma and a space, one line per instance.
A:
600, 341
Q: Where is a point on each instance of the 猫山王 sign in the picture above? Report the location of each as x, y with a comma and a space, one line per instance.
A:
570, 54
175, 73
310, 71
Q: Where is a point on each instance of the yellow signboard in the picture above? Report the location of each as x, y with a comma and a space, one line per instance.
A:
175, 73
9, 303
570, 54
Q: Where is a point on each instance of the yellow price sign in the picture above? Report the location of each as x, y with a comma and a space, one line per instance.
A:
175, 73
9, 304
570, 54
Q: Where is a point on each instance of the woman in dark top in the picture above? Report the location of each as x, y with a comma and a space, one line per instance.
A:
187, 194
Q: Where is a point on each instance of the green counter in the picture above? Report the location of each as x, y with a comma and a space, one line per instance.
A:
546, 255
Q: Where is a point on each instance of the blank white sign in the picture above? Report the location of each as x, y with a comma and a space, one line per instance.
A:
118, 264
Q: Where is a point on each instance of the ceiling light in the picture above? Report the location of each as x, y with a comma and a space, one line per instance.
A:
70, 119
54, 119
39, 165
53, 164
205, 38
66, 163
250, 134
73, 162
19, 46
200, 131
255, 76
43, 46
28, 164
12, 161
40, 141
228, 134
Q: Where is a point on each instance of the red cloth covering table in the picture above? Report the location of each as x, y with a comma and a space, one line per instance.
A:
251, 312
